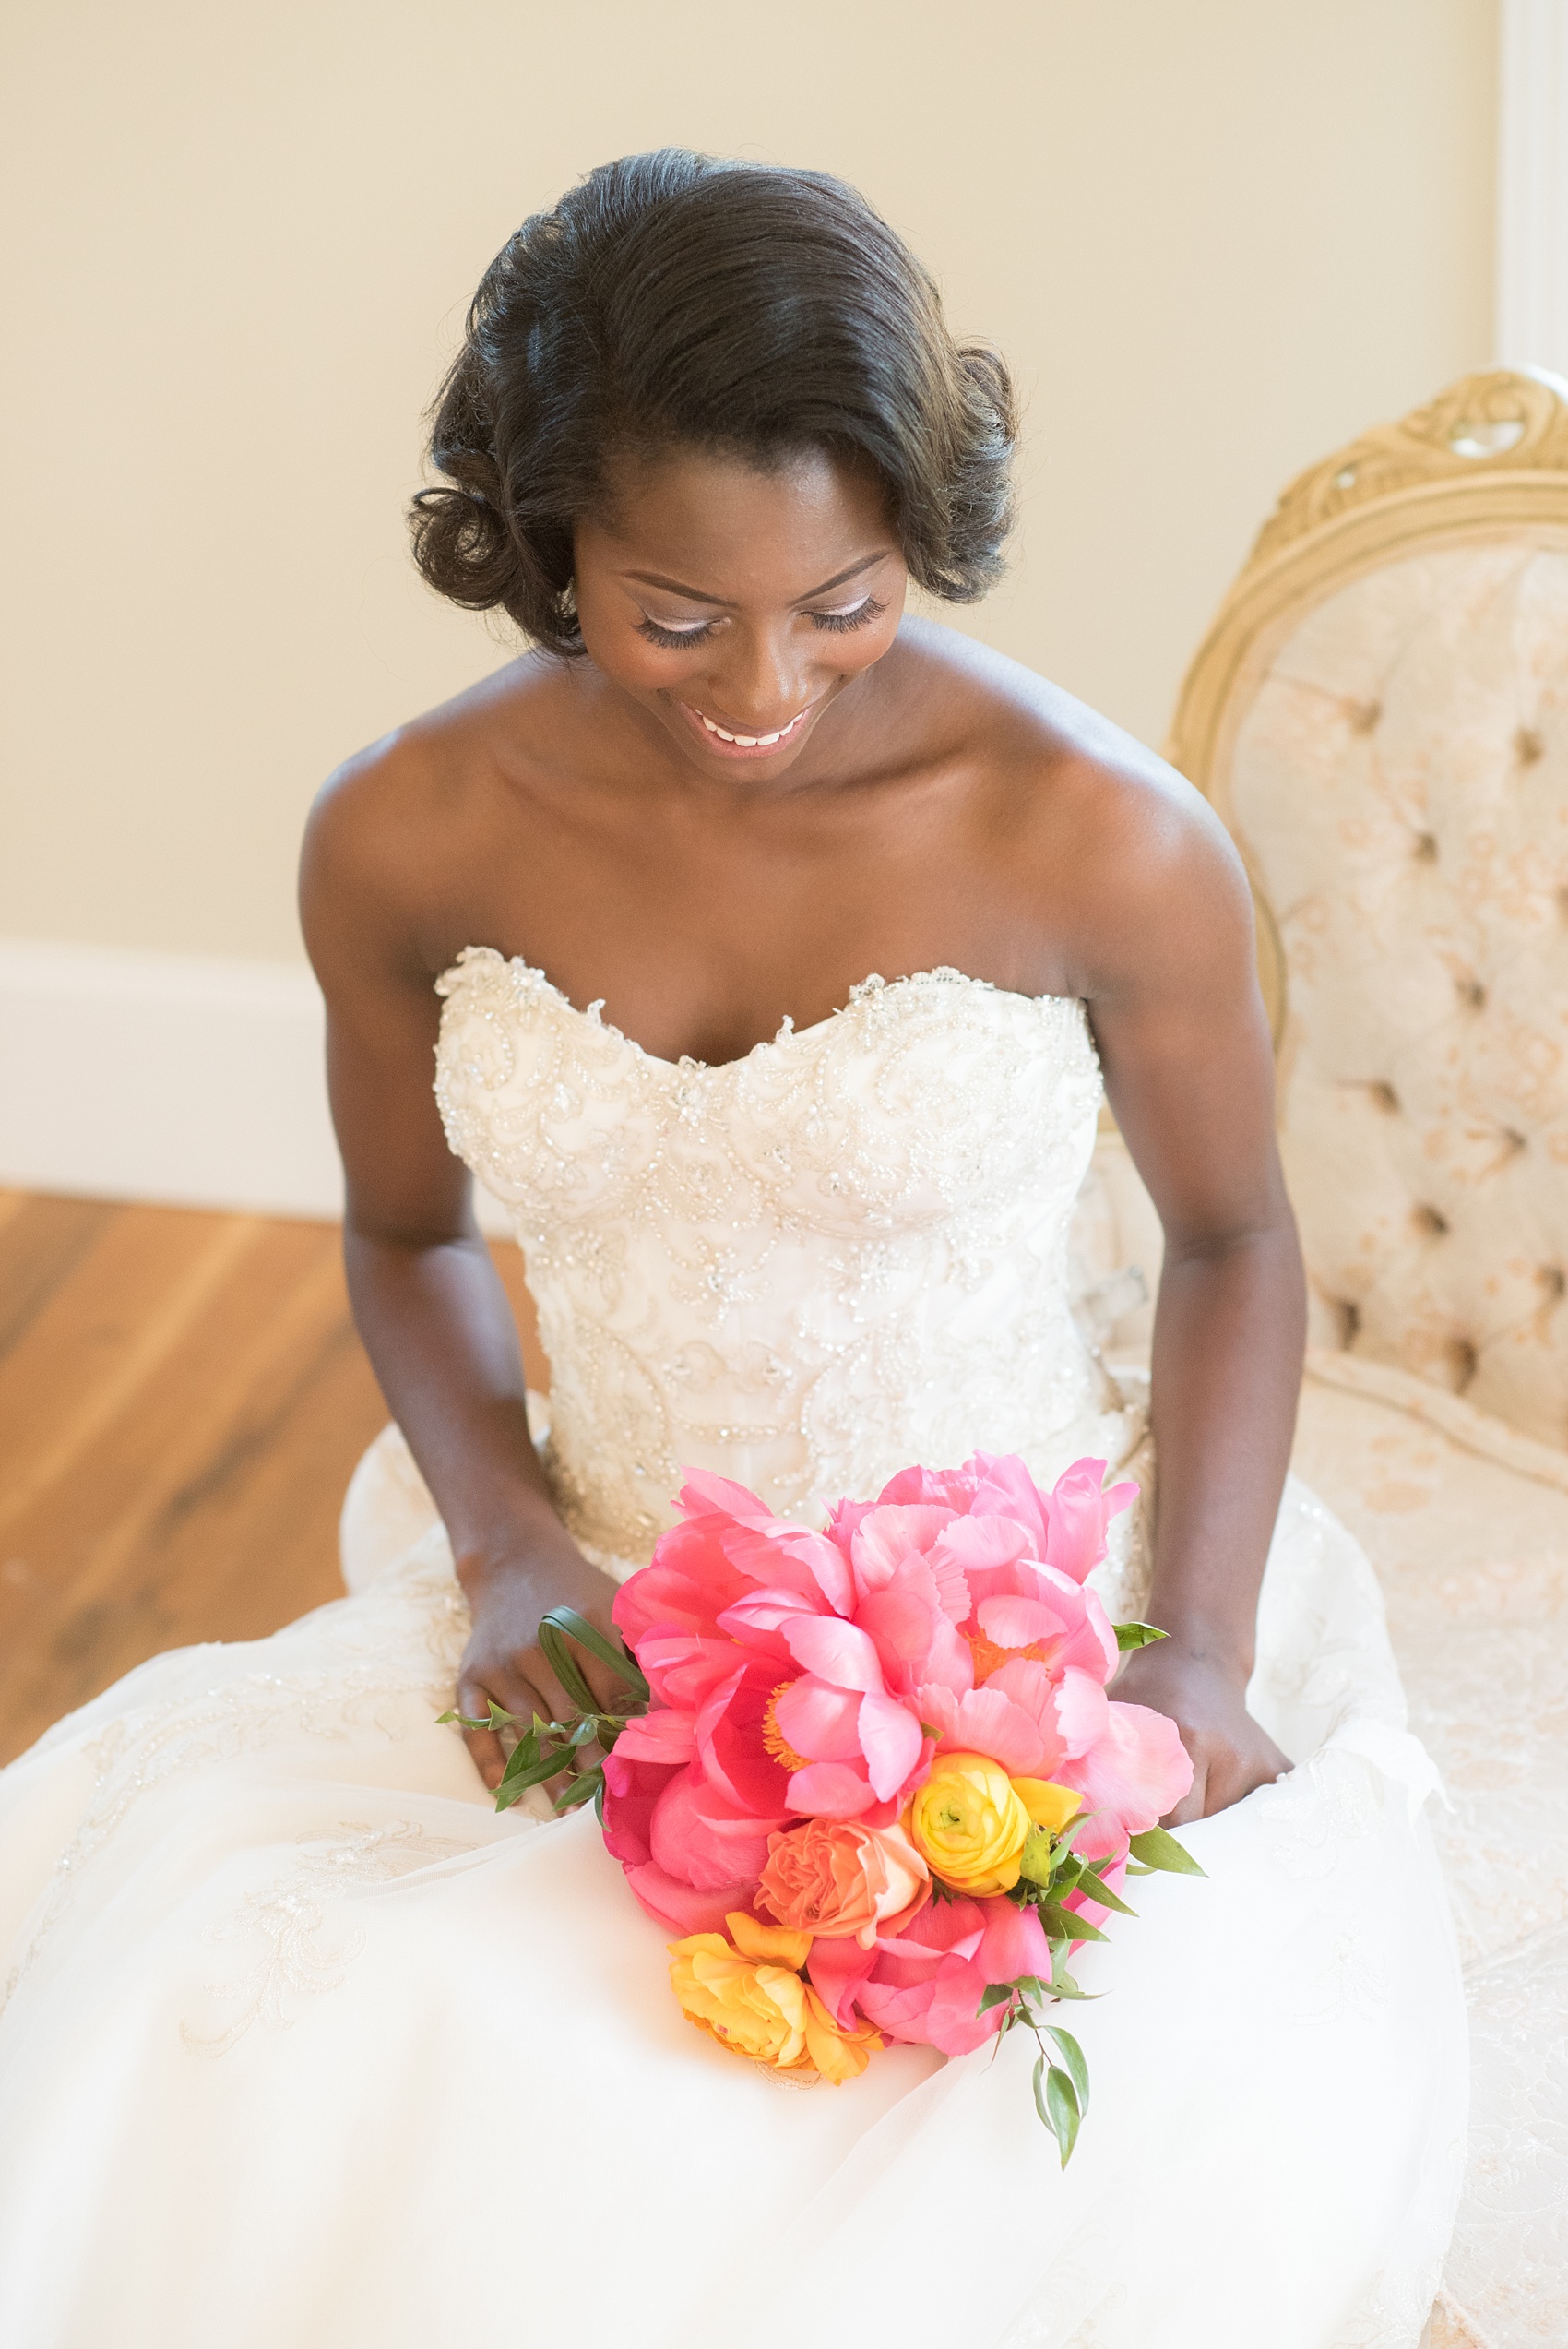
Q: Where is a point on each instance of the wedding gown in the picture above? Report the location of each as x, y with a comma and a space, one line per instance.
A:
305, 2046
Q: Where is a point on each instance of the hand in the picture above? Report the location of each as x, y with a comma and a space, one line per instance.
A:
1230, 1754
503, 1659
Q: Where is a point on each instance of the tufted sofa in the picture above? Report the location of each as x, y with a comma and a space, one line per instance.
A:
1380, 713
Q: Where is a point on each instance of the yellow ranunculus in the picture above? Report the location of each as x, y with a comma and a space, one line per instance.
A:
1050, 1807
1047, 1804
969, 1825
747, 1993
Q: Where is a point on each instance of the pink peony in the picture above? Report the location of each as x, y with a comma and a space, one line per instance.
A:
804, 1675
925, 1983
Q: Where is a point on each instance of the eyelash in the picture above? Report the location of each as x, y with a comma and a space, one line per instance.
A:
834, 622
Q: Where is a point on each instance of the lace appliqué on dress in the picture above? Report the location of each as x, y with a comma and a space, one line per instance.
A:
309, 1936
808, 1268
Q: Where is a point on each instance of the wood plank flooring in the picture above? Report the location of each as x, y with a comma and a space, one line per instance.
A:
183, 1398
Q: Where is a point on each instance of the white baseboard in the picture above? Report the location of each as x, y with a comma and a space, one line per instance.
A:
191, 1079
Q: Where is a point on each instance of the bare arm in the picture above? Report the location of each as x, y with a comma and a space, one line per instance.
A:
1190, 1075
434, 1316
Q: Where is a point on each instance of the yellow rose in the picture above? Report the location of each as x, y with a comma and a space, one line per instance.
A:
970, 1824
747, 1992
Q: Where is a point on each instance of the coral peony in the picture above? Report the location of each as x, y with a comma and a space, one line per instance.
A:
834, 1880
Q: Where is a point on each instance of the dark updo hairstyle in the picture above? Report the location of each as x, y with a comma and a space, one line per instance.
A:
668, 300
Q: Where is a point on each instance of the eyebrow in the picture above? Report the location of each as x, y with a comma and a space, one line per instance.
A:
700, 595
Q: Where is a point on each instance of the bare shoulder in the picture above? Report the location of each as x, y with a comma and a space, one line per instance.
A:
1116, 855
400, 828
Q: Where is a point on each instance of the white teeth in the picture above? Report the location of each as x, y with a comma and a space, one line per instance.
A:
752, 742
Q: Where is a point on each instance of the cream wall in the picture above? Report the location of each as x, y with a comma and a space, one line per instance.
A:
1214, 237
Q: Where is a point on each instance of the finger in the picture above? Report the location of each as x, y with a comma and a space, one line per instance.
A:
488, 1758
513, 1694
483, 1745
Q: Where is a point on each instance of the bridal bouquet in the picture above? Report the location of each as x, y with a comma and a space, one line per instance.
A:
878, 1790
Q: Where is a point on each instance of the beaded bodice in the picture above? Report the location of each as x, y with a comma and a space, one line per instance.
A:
805, 1269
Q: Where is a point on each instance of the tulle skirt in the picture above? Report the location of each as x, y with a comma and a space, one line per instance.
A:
304, 2044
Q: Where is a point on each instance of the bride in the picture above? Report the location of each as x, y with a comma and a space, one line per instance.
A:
772, 949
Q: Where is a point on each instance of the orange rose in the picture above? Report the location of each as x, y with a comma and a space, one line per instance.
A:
762, 2008
832, 1877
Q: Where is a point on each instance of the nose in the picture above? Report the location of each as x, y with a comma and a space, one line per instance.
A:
765, 679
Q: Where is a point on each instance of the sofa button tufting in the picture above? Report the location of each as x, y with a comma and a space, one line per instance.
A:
1383, 1096
1462, 1361
1529, 746
1429, 1222
1364, 715
1553, 1279
1425, 848
1471, 994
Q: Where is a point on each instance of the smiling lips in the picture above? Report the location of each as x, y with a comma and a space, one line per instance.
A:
733, 742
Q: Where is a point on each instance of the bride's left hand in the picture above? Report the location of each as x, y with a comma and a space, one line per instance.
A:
1232, 1754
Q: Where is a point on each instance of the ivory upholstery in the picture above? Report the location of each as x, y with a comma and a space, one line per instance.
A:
1401, 780
1381, 714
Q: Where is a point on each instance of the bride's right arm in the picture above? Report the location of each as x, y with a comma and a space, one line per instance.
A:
432, 1312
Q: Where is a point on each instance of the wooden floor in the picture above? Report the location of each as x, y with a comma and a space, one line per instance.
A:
182, 1400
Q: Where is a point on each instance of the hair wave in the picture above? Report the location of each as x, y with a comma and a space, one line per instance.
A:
669, 298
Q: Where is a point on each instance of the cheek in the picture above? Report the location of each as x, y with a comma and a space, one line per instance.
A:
626, 655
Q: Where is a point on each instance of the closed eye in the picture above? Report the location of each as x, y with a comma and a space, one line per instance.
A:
856, 616
674, 638
853, 615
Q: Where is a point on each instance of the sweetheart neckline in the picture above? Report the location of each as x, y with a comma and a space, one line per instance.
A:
688, 1064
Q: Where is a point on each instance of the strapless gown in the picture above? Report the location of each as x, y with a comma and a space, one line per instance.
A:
304, 2045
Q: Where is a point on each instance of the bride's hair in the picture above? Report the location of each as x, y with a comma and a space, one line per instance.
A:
671, 299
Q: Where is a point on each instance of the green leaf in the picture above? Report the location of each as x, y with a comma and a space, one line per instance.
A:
1067, 1924
523, 1755
564, 1666
612, 1653
1095, 1888
1068, 1833
579, 1790
1000, 1994
927, 1730
549, 1765
1057, 2105
1037, 1861
1072, 2057
1138, 1635
1158, 1849
1064, 1986
1061, 2114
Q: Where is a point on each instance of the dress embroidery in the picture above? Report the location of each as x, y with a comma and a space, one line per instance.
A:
309, 1934
811, 1266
